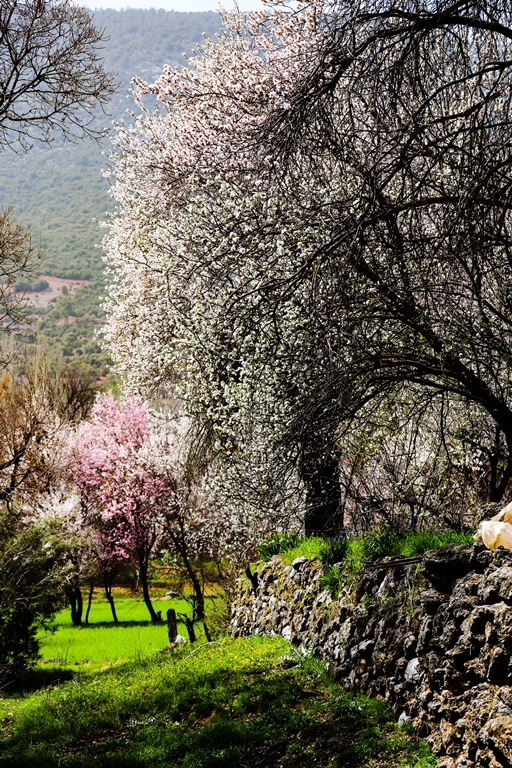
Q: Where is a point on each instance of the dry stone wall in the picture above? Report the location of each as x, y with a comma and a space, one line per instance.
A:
434, 641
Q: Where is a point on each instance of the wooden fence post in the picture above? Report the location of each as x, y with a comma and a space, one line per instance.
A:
172, 626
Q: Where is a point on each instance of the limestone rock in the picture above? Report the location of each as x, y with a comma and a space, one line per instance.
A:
413, 671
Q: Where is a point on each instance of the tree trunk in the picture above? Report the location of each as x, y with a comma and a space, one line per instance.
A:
74, 596
500, 466
323, 496
143, 575
110, 598
89, 601
190, 629
198, 612
206, 631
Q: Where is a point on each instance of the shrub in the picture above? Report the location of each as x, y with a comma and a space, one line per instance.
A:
394, 541
332, 553
33, 563
419, 542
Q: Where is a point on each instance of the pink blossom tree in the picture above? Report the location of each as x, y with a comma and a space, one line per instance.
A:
141, 493
124, 492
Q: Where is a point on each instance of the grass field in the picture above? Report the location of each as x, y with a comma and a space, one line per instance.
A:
102, 642
233, 703
113, 696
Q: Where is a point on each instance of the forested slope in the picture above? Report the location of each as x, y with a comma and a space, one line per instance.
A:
59, 190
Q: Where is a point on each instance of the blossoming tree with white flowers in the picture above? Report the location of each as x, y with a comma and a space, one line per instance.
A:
316, 220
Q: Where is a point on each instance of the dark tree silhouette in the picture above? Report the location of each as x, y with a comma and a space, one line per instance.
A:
51, 71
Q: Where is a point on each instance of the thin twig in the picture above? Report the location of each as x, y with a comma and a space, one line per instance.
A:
215, 642
395, 563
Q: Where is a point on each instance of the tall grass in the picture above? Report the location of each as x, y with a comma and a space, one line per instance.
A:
362, 551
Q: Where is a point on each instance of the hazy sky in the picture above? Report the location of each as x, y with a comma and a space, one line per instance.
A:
171, 5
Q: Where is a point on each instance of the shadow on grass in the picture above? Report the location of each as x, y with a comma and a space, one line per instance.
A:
265, 718
120, 624
36, 679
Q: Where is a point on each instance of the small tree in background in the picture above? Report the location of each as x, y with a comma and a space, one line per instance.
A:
17, 254
51, 72
141, 496
36, 406
123, 494
90, 555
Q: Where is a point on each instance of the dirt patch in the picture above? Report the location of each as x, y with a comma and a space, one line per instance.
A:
57, 287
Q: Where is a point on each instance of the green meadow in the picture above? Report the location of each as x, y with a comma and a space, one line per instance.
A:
116, 696
102, 642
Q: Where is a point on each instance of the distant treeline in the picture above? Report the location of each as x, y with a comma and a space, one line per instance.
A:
24, 286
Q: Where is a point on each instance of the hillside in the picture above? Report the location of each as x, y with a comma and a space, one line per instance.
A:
59, 190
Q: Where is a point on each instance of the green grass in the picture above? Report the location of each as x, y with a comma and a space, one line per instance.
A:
418, 542
365, 549
101, 641
246, 702
308, 546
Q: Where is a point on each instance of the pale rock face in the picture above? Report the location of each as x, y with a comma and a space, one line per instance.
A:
413, 671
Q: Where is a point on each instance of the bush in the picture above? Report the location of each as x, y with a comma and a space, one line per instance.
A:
332, 554
418, 542
394, 541
33, 563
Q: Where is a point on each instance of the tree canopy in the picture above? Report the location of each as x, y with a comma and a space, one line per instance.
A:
313, 241
51, 71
